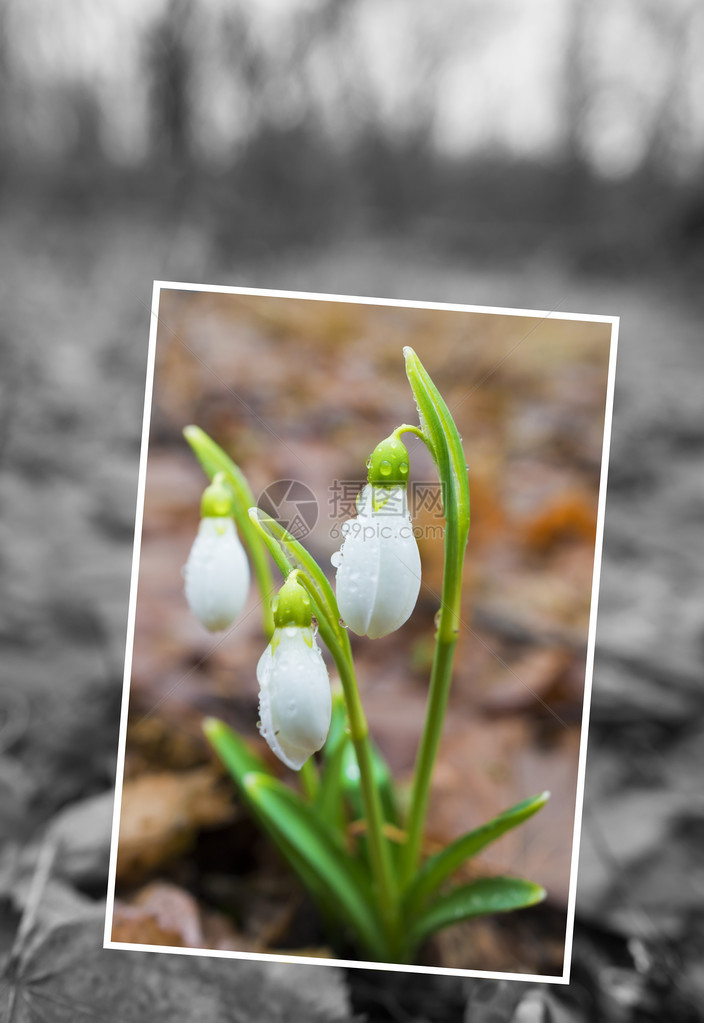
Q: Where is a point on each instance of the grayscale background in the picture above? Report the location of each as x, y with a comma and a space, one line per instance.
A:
542, 155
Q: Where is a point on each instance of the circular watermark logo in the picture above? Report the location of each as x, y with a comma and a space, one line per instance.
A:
291, 503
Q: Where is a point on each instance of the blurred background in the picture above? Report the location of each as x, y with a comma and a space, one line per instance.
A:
540, 155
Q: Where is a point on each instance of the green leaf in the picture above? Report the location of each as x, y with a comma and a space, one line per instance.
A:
213, 460
439, 867
335, 870
479, 898
334, 881
444, 441
240, 761
232, 749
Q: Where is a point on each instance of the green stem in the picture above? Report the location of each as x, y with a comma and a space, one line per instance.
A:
440, 681
284, 550
409, 428
310, 782
386, 881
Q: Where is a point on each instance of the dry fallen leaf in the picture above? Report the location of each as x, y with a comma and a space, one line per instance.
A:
159, 914
161, 814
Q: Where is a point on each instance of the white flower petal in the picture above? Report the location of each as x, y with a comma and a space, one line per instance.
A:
216, 574
295, 703
379, 571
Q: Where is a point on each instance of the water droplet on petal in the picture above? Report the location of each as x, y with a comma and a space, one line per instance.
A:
385, 468
403, 468
336, 559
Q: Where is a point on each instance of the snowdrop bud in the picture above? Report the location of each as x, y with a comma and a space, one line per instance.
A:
216, 501
378, 565
295, 702
217, 572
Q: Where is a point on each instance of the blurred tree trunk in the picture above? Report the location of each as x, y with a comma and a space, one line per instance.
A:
5, 92
670, 121
170, 71
575, 107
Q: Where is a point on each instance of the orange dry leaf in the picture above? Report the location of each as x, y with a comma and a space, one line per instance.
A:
161, 814
571, 516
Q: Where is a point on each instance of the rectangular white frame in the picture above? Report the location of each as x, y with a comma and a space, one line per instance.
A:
146, 420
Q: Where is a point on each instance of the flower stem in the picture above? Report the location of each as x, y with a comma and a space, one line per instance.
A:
386, 881
410, 428
440, 681
310, 782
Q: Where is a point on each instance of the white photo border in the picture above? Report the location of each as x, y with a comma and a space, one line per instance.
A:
537, 314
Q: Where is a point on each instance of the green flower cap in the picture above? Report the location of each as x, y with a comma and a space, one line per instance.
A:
216, 502
388, 463
292, 605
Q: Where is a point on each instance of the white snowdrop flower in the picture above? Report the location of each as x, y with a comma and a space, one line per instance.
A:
217, 571
378, 565
295, 702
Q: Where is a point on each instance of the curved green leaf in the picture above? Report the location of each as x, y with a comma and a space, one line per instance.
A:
439, 867
233, 750
240, 760
444, 442
333, 879
307, 835
479, 898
